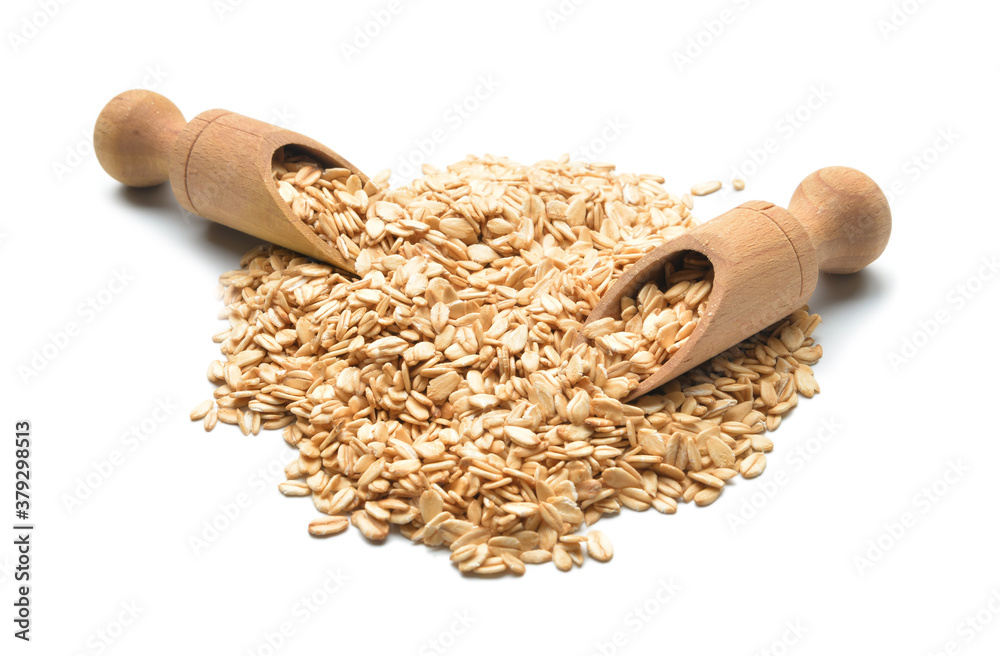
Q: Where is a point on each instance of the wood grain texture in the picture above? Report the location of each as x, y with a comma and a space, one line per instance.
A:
766, 261
134, 135
847, 217
221, 169
219, 166
757, 282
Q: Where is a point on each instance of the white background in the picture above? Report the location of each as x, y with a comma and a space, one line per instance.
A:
814, 551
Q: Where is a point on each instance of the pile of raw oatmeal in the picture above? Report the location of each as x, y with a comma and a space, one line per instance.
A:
444, 393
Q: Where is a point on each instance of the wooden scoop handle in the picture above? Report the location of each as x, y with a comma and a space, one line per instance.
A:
219, 165
134, 136
846, 215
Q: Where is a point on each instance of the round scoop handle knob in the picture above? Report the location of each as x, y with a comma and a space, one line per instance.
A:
846, 216
134, 136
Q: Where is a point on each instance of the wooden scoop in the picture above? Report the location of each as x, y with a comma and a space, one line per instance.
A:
219, 166
766, 261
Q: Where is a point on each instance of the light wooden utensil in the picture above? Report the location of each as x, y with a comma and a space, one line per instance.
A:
219, 166
766, 261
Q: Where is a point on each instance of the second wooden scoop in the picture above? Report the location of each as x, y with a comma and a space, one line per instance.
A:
219, 166
766, 261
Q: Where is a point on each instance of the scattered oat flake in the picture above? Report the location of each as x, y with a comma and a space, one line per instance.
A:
443, 394
706, 188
